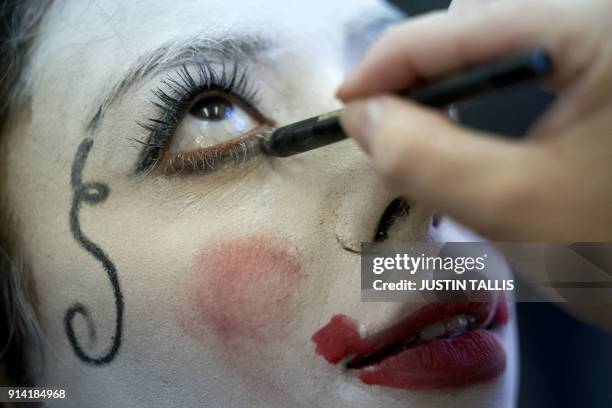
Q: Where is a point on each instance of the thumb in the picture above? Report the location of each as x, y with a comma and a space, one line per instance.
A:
477, 178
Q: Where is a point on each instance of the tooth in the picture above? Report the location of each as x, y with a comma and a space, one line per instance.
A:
362, 330
446, 327
456, 323
432, 331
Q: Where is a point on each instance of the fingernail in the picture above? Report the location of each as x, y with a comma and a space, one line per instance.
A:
359, 120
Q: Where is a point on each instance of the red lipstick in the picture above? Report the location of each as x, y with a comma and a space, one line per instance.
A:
440, 345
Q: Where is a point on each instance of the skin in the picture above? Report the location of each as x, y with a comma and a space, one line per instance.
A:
255, 265
179, 245
556, 186
574, 130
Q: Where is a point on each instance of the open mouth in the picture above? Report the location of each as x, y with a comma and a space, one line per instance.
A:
440, 345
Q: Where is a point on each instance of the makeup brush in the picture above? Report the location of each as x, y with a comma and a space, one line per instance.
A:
325, 129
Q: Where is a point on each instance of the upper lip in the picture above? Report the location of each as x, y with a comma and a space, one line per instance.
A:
380, 345
393, 339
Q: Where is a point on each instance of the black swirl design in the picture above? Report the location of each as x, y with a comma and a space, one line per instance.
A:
91, 193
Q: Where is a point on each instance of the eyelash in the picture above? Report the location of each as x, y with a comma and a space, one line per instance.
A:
172, 102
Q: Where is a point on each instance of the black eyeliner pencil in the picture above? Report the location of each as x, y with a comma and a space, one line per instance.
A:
325, 129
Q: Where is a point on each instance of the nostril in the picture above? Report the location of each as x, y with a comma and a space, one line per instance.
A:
398, 208
435, 220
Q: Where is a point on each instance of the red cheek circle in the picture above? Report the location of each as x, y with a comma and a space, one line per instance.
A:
244, 288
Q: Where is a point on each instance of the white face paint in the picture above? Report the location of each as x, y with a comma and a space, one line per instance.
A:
224, 275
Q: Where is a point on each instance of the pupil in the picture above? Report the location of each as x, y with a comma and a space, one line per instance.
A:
212, 108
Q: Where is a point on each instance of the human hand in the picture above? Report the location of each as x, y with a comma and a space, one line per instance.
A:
555, 185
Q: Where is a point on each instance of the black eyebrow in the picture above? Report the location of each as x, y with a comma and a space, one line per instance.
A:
175, 54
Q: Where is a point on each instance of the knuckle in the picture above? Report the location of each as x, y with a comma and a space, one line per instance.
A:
391, 35
395, 154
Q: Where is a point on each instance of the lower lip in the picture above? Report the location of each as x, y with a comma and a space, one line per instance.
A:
473, 357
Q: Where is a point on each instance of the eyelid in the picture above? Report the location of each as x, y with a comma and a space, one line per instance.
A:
176, 95
256, 116
211, 158
205, 159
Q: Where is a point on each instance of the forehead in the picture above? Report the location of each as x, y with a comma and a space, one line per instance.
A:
91, 43
132, 26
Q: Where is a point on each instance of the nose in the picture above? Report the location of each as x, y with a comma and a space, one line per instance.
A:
367, 211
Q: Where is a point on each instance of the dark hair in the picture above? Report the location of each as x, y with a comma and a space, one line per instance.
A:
20, 341
19, 20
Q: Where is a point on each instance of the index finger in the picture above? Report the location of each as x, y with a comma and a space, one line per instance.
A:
441, 42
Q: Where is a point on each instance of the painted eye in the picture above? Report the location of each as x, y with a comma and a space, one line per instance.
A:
214, 119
